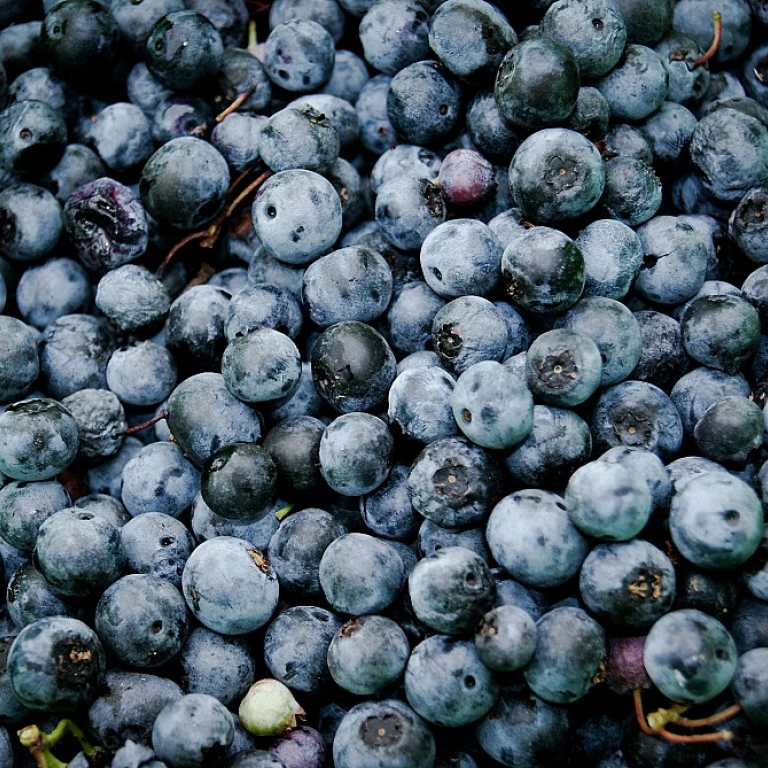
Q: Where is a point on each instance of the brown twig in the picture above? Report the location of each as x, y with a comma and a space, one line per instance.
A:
133, 430
703, 722
695, 738
235, 105
717, 20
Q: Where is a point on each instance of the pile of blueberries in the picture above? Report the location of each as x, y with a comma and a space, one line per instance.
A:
382, 383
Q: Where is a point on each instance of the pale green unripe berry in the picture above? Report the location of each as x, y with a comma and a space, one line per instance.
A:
269, 708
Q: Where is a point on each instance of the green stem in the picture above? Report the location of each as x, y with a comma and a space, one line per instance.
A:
283, 512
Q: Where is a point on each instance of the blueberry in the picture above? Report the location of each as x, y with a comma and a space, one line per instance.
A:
132, 298
637, 85
524, 731
377, 134
543, 270
559, 442
298, 55
302, 747
100, 418
591, 115
142, 619
368, 655
121, 134
506, 638
348, 76
352, 367
280, 212
327, 13
296, 645
78, 552
669, 132
728, 152
594, 31
662, 355
361, 574
675, 261
408, 209
563, 368
638, 414
720, 331
20, 364
194, 331
31, 222
570, 648
393, 34
688, 83
203, 415
355, 453
469, 330
747, 225
491, 406
184, 183
424, 103
159, 479
158, 545
192, 730
537, 83
477, 52
142, 374
607, 501
447, 684
614, 330
223, 667
57, 287
352, 283
633, 191
630, 585
178, 116
238, 481
454, 483
80, 39
242, 72
297, 548
531, 536
419, 404
461, 257
556, 174
488, 128
56, 664
450, 590
749, 685
387, 511
184, 50
74, 352
38, 439
384, 732
409, 317
698, 665
730, 431
30, 598
613, 255
227, 606
715, 520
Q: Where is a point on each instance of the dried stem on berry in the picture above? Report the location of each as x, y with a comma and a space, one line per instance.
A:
235, 105
133, 430
717, 20
209, 236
